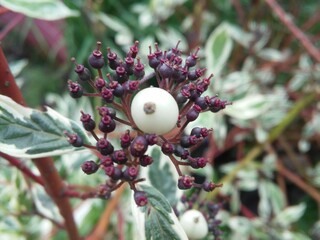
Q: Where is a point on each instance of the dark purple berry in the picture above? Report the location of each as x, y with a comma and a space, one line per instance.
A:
107, 124
195, 74
131, 86
117, 88
129, 62
83, 72
119, 157
201, 102
112, 59
138, 70
185, 142
74, 139
120, 74
151, 139
208, 186
158, 52
179, 151
106, 161
180, 98
107, 111
96, 58
125, 139
75, 89
153, 60
140, 198
216, 104
99, 83
104, 146
191, 60
167, 148
87, 122
201, 162
193, 113
89, 167
185, 182
107, 95
138, 146
131, 173
165, 70
196, 131
145, 160
134, 49
113, 172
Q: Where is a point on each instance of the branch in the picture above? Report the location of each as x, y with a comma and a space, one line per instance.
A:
299, 35
52, 182
22, 167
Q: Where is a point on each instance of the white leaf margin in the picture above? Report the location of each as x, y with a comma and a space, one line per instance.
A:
21, 112
58, 11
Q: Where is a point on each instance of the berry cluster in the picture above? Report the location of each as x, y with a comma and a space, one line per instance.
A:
156, 109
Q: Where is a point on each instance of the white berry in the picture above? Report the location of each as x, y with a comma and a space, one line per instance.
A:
154, 110
194, 224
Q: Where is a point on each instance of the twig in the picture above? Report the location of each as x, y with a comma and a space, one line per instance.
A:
23, 168
53, 183
311, 49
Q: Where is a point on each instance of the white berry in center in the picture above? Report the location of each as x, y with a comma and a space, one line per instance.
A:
154, 110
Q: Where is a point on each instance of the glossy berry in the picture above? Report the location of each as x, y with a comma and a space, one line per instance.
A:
138, 70
167, 148
152, 139
96, 59
75, 89
131, 173
140, 198
165, 70
193, 113
179, 151
112, 59
145, 160
99, 83
107, 95
138, 146
185, 182
113, 172
118, 89
89, 167
119, 157
104, 146
74, 139
87, 122
107, 111
125, 139
201, 102
150, 108
107, 124
191, 60
83, 72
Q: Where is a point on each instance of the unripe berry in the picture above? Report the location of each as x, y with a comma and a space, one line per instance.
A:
104, 146
89, 167
75, 89
96, 58
87, 122
140, 198
138, 146
154, 110
107, 124
119, 157
131, 173
145, 160
185, 182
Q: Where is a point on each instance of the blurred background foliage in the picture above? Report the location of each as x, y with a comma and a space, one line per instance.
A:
258, 64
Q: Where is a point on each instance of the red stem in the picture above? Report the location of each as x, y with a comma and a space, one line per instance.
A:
297, 33
22, 167
53, 183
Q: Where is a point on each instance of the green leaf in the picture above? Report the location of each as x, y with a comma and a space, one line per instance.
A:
26, 132
160, 221
162, 178
218, 49
42, 9
290, 215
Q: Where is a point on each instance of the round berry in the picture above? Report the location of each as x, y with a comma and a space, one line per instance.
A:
89, 167
140, 198
194, 224
154, 110
96, 59
138, 146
